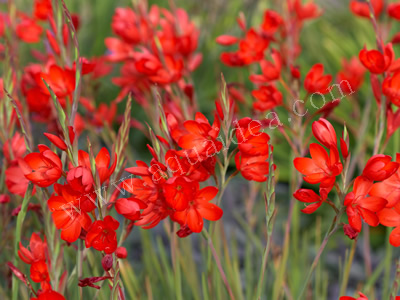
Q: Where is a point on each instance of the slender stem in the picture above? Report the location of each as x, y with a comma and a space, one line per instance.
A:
347, 269
218, 262
396, 282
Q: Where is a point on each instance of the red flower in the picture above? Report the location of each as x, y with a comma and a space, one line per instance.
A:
309, 196
270, 70
391, 88
250, 140
42, 9
362, 297
321, 167
129, 26
49, 295
227, 40
15, 180
252, 167
199, 208
306, 11
178, 191
251, 49
69, 211
130, 208
29, 31
61, 81
380, 167
391, 218
121, 252
389, 188
102, 236
43, 168
268, 97
272, 21
358, 205
14, 148
80, 179
351, 76
38, 249
394, 10
361, 8
316, 82
201, 138
324, 133
36, 257
375, 61
102, 161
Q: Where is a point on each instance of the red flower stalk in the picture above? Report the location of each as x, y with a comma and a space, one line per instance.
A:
375, 61
198, 208
324, 133
268, 97
315, 81
321, 167
358, 205
380, 167
361, 8
69, 211
102, 236
309, 196
43, 168
391, 88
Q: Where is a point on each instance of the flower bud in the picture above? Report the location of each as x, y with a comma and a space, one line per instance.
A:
121, 252
107, 262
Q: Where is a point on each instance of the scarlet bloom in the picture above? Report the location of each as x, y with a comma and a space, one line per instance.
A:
358, 205
199, 208
362, 297
309, 196
380, 167
391, 88
268, 97
375, 61
102, 161
43, 168
43, 9
178, 191
361, 8
394, 10
316, 82
201, 138
251, 49
389, 188
270, 70
61, 81
14, 148
250, 140
321, 167
324, 133
102, 236
15, 180
121, 252
307, 11
351, 76
272, 21
130, 208
69, 211
80, 179
29, 31
391, 218
49, 295
36, 257
252, 167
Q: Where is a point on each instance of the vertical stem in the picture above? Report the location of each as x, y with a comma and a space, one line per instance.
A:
347, 269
